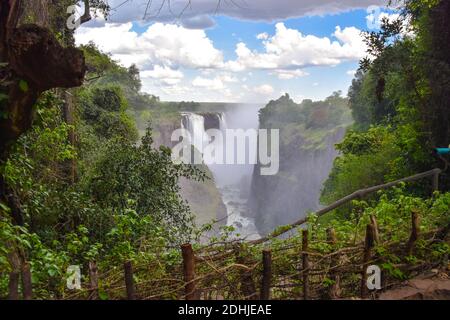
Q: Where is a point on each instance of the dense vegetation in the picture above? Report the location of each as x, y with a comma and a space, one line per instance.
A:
309, 121
308, 132
88, 190
85, 182
399, 103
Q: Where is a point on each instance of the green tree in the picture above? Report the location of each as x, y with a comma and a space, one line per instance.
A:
148, 178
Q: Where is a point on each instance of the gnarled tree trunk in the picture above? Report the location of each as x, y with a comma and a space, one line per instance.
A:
32, 61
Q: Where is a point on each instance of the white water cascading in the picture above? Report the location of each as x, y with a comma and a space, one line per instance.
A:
228, 177
195, 125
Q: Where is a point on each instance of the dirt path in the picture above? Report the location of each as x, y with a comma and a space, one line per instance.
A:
433, 286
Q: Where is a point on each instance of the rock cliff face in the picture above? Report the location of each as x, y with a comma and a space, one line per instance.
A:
308, 134
212, 120
204, 198
292, 193
162, 132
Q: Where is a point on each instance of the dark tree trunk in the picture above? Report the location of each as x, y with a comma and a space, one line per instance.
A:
439, 72
32, 62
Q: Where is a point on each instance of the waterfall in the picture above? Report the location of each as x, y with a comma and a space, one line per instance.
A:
228, 178
195, 125
223, 121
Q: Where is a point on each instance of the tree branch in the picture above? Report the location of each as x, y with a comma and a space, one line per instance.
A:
86, 17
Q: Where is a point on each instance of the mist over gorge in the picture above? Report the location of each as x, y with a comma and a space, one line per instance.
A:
237, 195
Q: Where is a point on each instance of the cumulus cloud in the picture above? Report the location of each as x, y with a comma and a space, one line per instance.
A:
166, 52
226, 77
265, 89
376, 18
285, 54
262, 36
164, 74
289, 51
210, 84
162, 44
290, 74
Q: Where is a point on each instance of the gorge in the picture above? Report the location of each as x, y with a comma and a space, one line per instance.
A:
237, 195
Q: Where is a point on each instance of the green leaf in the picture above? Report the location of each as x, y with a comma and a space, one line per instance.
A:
4, 207
3, 114
52, 272
103, 295
23, 85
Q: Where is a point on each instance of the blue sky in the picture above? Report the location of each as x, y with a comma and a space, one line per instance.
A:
322, 81
251, 56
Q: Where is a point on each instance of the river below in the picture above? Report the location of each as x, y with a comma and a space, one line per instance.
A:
237, 209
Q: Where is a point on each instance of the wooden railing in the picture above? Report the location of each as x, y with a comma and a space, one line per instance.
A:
232, 270
356, 195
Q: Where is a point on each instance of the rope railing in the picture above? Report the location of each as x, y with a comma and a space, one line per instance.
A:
355, 195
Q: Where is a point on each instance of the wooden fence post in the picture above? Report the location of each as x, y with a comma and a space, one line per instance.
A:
189, 271
415, 229
93, 281
129, 281
27, 285
267, 274
13, 286
334, 290
305, 259
248, 287
369, 244
436, 182
374, 222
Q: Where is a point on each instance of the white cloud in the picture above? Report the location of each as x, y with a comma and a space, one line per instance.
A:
289, 51
176, 91
262, 36
164, 74
228, 78
353, 46
298, 98
290, 74
163, 48
351, 72
161, 44
210, 84
265, 89
375, 21
166, 53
